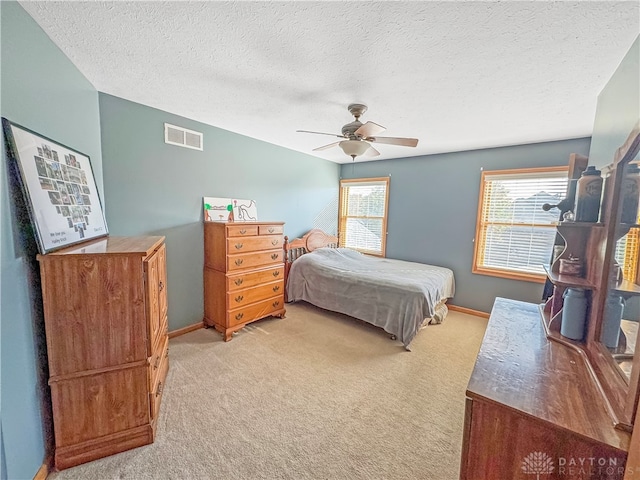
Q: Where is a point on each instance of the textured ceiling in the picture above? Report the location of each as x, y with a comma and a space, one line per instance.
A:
455, 75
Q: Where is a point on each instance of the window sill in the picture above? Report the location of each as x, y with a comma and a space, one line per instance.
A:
508, 274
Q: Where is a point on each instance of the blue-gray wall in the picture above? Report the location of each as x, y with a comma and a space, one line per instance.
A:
42, 90
618, 108
433, 204
155, 188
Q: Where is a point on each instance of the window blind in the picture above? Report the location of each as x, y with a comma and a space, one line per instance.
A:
363, 212
514, 233
627, 252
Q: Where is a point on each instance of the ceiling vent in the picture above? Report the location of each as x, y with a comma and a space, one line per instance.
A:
182, 137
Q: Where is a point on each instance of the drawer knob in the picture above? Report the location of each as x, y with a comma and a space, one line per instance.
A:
238, 246
243, 231
238, 281
274, 256
271, 230
159, 391
239, 316
276, 303
161, 286
276, 273
274, 242
239, 298
276, 288
239, 261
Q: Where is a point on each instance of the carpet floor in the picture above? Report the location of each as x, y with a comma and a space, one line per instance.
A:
316, 395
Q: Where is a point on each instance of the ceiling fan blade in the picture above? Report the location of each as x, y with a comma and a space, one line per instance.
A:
322, 133
405, 142
369, 129
324, 147
372, 152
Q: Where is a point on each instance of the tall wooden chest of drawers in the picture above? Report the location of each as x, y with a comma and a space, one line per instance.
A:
243, 273
105, 309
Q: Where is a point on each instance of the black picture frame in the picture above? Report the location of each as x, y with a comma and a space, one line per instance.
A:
59, 189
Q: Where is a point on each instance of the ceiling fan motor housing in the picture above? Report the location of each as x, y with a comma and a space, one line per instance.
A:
349, 129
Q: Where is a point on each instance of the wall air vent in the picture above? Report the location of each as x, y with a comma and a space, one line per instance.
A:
182, 137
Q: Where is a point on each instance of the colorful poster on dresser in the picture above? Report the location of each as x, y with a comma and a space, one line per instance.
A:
218, 209
59, 189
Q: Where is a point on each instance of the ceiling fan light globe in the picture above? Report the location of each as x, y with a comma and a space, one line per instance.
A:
354, 148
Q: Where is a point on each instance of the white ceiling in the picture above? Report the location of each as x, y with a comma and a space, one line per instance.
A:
455, 75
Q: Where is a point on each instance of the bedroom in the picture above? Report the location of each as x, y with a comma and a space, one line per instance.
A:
150, 189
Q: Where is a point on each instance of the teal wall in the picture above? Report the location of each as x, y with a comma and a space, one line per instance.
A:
433, 203
42, 90
153, 188
618, 108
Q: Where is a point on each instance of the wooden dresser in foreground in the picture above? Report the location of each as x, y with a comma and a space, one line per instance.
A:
243, 273
534, 409
105, 309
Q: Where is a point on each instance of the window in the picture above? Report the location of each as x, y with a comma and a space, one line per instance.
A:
363, 215
628, 253
514, 235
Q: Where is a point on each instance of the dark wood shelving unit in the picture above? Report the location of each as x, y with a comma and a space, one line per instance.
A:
568, 280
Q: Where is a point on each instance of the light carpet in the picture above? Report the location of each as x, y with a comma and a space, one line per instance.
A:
316, 395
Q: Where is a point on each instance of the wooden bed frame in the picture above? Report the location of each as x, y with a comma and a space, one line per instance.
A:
309, 242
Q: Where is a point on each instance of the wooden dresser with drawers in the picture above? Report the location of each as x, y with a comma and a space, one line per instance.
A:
243, 273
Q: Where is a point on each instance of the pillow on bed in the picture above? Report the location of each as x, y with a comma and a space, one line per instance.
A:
337, 252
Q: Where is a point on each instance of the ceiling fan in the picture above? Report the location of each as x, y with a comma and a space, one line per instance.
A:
359, 136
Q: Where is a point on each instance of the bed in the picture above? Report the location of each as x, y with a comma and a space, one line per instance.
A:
397, 296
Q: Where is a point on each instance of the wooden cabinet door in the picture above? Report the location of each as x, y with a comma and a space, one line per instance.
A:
152, 280
162, 281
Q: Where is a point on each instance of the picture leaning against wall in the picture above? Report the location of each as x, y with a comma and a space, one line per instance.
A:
58, 187
218, 209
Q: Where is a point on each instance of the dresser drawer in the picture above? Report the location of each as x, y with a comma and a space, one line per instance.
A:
252, 260
99, 404
270, 229
255, 311
242, 230
253, 244
155, 362
157, 343
241, 298
158, 386
241, 281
